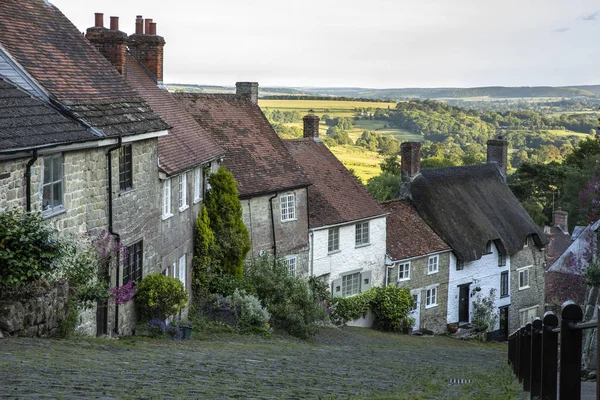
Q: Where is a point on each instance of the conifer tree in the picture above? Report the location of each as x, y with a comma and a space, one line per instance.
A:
204, 242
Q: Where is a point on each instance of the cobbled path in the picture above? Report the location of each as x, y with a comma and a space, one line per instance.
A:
338, 363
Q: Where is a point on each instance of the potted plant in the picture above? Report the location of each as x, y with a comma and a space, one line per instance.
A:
452, 328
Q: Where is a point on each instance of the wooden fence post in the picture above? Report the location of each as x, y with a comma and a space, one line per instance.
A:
549, 356
570, 352
536, 357
527, 358
519, 353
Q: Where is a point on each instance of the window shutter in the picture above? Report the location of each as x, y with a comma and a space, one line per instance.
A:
336, 287
365, 281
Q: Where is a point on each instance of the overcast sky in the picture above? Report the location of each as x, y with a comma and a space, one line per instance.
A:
377, 43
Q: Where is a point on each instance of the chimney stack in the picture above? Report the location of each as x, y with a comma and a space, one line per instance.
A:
411, 160
248, 90
112, 43
311, 125
497, 152
147, 47
561, 218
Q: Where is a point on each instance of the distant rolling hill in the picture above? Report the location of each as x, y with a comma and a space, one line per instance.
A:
489, 93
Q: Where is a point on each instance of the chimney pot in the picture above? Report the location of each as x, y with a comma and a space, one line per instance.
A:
139, 25
497, 152
311, 125
152, 28
114, 23
147, 22
410, 153
248, 90
99, 20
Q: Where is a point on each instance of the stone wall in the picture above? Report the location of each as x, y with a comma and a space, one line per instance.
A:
533, 296
37, 314
430, 318
292, 236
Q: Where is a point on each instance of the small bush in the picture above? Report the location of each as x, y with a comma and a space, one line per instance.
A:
227, 284
160, 296
28, 248
251, 312
351, 308
288, 299
158, 329
391, 306
485, 315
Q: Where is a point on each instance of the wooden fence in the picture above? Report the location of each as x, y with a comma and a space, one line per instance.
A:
533, 353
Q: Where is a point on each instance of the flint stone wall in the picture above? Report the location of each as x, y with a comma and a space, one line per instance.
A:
36, 315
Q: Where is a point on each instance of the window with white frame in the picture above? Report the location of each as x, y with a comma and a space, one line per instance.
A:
350, 284
403, 271
288, 207
182, 269
183, 192
527, 315
431, 297
291, 262
524, 277
52, 187
197, 184
167, 199
333, 240
362, 233
433, 264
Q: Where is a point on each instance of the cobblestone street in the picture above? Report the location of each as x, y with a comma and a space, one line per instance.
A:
346, 363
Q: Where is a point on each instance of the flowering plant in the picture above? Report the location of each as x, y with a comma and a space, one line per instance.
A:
122, 294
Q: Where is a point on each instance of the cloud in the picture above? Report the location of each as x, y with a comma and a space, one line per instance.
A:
560, 30
590, 17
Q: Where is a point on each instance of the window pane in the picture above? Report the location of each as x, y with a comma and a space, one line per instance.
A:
47, 170
47, 198
57, 194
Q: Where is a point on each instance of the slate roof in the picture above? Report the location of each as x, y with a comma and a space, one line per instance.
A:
187, 144
407, 234
470, 205
255, 155
28, 122
335, 196
51, 49
577, 253
559, 241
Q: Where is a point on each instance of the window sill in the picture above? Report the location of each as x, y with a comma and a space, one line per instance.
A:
433, 272
403, 280
166, 216
289, 220
524, 287
53, 213
362, 245
505, 296
333, 252
185, 207
198, 200
430, 306
126, 191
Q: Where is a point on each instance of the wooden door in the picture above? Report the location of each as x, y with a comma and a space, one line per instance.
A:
463, 303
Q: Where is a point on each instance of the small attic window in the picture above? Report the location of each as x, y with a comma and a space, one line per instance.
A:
528, 241
488, 247
460, 265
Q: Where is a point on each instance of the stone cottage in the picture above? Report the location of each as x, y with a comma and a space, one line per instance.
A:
100, 171
184, 155
495, 244
347, 226
419, 260
271, 186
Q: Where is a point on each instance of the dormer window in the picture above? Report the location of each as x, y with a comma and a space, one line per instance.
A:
488, 247
501, 259
528, 241
460, 265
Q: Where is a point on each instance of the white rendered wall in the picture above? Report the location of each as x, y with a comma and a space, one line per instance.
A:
483, 273
370, 257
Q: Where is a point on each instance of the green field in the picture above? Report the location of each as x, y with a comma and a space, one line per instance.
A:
364, 163
561, 132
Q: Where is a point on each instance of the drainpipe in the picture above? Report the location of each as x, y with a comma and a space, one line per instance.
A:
110, 223
28, 179
273, 229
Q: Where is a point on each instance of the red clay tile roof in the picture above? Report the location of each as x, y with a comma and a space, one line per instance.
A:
187, 144
255, 154
336, 196
27, 122
407, 234
60, 59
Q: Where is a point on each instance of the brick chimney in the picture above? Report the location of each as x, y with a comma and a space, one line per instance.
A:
112, 43
561, 218
147, 47
311, 125
497, 152
248, 90
411, 160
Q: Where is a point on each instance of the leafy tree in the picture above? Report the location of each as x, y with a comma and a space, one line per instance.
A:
224, 208
204, 242
391, 165
388, 145
587, 148
384, 186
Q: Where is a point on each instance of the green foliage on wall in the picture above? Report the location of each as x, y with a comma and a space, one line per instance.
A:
204, 242
391, 306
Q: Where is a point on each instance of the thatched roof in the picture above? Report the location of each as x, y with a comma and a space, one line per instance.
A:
471, 205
